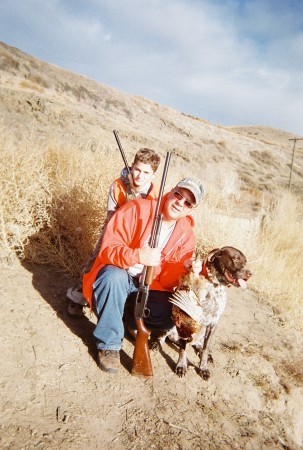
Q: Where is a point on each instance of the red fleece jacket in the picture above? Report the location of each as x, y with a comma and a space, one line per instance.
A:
127, 231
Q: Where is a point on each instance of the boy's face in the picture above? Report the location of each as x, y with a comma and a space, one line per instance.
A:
142, 174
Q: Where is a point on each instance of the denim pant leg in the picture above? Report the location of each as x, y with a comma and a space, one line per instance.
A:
110, 291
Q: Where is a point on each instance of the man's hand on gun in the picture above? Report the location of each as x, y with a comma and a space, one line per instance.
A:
150, 257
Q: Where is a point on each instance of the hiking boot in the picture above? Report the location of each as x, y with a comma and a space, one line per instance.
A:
109, 360
75, 310
77, 301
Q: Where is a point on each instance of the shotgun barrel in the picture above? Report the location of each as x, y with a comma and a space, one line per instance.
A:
142, 366
122, 151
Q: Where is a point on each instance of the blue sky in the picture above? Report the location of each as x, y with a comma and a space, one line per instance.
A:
232, 62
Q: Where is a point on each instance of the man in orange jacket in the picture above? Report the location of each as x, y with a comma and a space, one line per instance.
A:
123, 254
143, 169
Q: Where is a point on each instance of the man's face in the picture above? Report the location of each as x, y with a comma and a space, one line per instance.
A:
180, 202
142, 174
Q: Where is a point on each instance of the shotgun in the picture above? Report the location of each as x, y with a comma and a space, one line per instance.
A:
142, 365
130, 188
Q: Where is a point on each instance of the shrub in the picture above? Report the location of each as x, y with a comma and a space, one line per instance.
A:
53, 201
279, 249
27, 84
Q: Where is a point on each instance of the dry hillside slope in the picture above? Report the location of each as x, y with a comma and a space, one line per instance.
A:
72, 109
53, 395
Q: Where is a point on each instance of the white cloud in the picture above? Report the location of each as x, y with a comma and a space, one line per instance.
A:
233, 59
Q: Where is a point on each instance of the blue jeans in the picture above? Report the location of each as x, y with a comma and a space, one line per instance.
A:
112, 287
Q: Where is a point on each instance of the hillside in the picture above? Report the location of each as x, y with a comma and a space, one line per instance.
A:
53, 395
77, 111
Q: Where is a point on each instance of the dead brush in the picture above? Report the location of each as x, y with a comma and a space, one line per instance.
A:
280, 240
25, 193
53, 200
293, 369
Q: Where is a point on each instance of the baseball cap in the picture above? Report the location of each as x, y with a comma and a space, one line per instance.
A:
194, 186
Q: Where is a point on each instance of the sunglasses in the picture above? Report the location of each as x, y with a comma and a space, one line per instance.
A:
180, 197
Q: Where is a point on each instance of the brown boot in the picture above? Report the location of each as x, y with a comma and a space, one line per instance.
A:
109, 360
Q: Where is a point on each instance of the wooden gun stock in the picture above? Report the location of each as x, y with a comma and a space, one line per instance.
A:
142, 366
149, 275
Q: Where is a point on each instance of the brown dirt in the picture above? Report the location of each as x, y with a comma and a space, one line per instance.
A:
53, 395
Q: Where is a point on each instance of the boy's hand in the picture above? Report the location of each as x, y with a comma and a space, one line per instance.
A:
150, 256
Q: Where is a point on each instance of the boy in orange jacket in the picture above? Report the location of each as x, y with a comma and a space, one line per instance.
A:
124, 252
123, 189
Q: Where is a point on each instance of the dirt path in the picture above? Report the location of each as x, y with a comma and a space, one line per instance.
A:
54, 396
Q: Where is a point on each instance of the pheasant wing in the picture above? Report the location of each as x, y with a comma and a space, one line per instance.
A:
189, 303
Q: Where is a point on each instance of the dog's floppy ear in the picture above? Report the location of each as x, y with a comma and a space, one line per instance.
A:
214, 254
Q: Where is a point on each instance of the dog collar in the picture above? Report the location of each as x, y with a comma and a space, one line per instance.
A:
205, 272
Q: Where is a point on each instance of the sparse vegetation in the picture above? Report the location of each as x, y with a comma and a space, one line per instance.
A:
53, 203
8, 62
80, 92
294, 370
37, 79
28, 84
265, 157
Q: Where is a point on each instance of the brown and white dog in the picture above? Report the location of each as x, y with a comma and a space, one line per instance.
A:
199, 302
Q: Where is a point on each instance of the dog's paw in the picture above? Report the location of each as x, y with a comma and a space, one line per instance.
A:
181, 371
204, 373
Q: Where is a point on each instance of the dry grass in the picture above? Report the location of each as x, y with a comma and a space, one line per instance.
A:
25, 194
218, 222
279, 250
294, 370
53, 202
28, 84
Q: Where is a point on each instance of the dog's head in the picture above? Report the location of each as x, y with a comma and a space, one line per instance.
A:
229, 266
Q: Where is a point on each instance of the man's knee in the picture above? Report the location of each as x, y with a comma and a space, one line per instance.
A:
112, 275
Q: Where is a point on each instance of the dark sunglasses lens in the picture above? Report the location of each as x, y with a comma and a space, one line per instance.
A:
179, 196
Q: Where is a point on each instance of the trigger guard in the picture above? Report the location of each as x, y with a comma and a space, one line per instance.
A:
146, 312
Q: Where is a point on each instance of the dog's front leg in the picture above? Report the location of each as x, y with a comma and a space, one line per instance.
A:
171, 334
204, 352
181, 367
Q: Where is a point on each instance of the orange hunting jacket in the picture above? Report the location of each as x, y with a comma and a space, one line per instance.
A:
127, 231
120, 191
